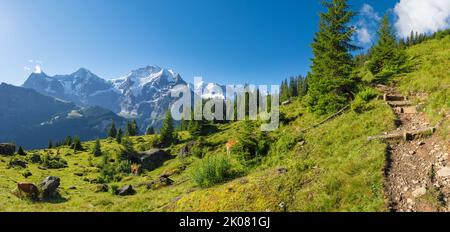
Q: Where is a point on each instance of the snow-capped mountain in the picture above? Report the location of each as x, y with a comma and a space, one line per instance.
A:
143, 94
81, 87
209, 90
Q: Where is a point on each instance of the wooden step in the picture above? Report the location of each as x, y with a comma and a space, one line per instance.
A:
404, 135
387, 97
406, 110
399, 103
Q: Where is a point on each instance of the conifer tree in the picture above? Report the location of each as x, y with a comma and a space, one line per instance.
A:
50, 144
330, 86
132, 128
21, 151
167, 130
119, 136
76, 145
183, 124
135, 127
150, 131
128, 147
68, 141
386, 54
112, 133
97, 149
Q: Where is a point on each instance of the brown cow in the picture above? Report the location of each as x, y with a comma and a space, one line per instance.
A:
29, 189
231, 143
135, 169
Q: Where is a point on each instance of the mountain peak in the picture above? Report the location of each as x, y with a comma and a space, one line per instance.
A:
83, 72
37, 69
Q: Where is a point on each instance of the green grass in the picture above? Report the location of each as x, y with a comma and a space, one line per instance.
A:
335, 171
430, 75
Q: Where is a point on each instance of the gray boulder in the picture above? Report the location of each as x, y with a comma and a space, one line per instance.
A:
49, 186
101, 188
7, 149
126, 191
151, 159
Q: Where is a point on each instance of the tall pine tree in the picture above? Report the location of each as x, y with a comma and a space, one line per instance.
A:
330, 86
97, 148
150, 131
119, 136
167, 130
112, 133
386, 54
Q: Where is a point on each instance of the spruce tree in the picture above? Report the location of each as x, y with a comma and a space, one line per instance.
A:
97, 149
135, 127
330, 86
68, 141
112, 133
183, 124
21, 151
150, 131
167, 130
50, 144
386, 54
293, 87
132, 128
128, 148
76, 145
119, 136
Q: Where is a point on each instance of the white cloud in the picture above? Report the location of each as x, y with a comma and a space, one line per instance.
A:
363, 35
423, 16
27, 69
368, 12
366, 25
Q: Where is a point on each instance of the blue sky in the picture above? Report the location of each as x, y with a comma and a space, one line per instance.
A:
227, 41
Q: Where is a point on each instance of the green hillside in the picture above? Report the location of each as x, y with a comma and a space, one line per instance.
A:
331, 167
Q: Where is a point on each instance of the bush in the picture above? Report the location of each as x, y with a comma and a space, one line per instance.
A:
112, 171
53, 162
114, 189
252, 144
198, 150
27, 173
17, 162
359, 105
34, 158
212, 170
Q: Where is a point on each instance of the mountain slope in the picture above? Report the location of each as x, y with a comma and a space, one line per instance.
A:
31, 119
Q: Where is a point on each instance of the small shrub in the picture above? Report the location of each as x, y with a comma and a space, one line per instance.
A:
114, 189
198, 150
212, 170
34, 158
17, 163
53, 162
26, 173
110, 171
360, 104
